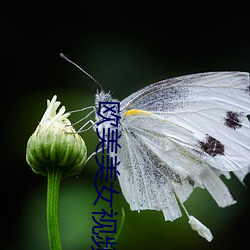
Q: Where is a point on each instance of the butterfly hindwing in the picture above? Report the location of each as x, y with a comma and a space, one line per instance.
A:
143, 186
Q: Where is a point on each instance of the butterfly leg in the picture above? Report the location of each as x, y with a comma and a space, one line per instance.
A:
86, 116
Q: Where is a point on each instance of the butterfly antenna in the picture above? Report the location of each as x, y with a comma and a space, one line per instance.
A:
90, 76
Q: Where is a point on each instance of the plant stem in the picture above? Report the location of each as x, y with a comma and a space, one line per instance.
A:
54, 177
116, 236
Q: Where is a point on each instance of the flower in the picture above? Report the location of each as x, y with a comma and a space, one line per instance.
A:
56, 143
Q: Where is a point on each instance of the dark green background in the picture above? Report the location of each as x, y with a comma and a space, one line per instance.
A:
125, 46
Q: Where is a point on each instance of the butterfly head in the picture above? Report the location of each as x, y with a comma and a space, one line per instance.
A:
105, 109
103, 96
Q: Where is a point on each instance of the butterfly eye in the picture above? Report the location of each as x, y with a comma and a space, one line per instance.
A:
107, 98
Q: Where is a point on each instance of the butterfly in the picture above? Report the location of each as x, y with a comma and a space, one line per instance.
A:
179, 134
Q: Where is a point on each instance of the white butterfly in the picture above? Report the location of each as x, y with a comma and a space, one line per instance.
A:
183, 133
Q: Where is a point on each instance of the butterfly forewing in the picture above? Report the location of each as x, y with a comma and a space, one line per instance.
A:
213, 106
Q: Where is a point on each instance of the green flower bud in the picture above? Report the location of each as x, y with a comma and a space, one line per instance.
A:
55, 144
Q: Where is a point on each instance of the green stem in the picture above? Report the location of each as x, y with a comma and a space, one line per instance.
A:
54, 177
116, 236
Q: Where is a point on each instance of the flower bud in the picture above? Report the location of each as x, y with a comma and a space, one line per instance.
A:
55, 144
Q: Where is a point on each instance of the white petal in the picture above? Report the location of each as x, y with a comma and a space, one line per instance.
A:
51, 114
200, 228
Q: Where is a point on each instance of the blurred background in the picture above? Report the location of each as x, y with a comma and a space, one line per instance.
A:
125, 45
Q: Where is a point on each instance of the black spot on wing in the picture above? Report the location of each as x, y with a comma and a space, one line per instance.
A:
212, 146
233, 119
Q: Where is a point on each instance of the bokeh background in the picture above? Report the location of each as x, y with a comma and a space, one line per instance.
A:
125, 45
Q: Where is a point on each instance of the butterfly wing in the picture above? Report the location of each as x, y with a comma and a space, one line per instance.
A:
181, 133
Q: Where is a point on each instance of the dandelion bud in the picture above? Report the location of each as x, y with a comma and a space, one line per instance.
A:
55, 143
